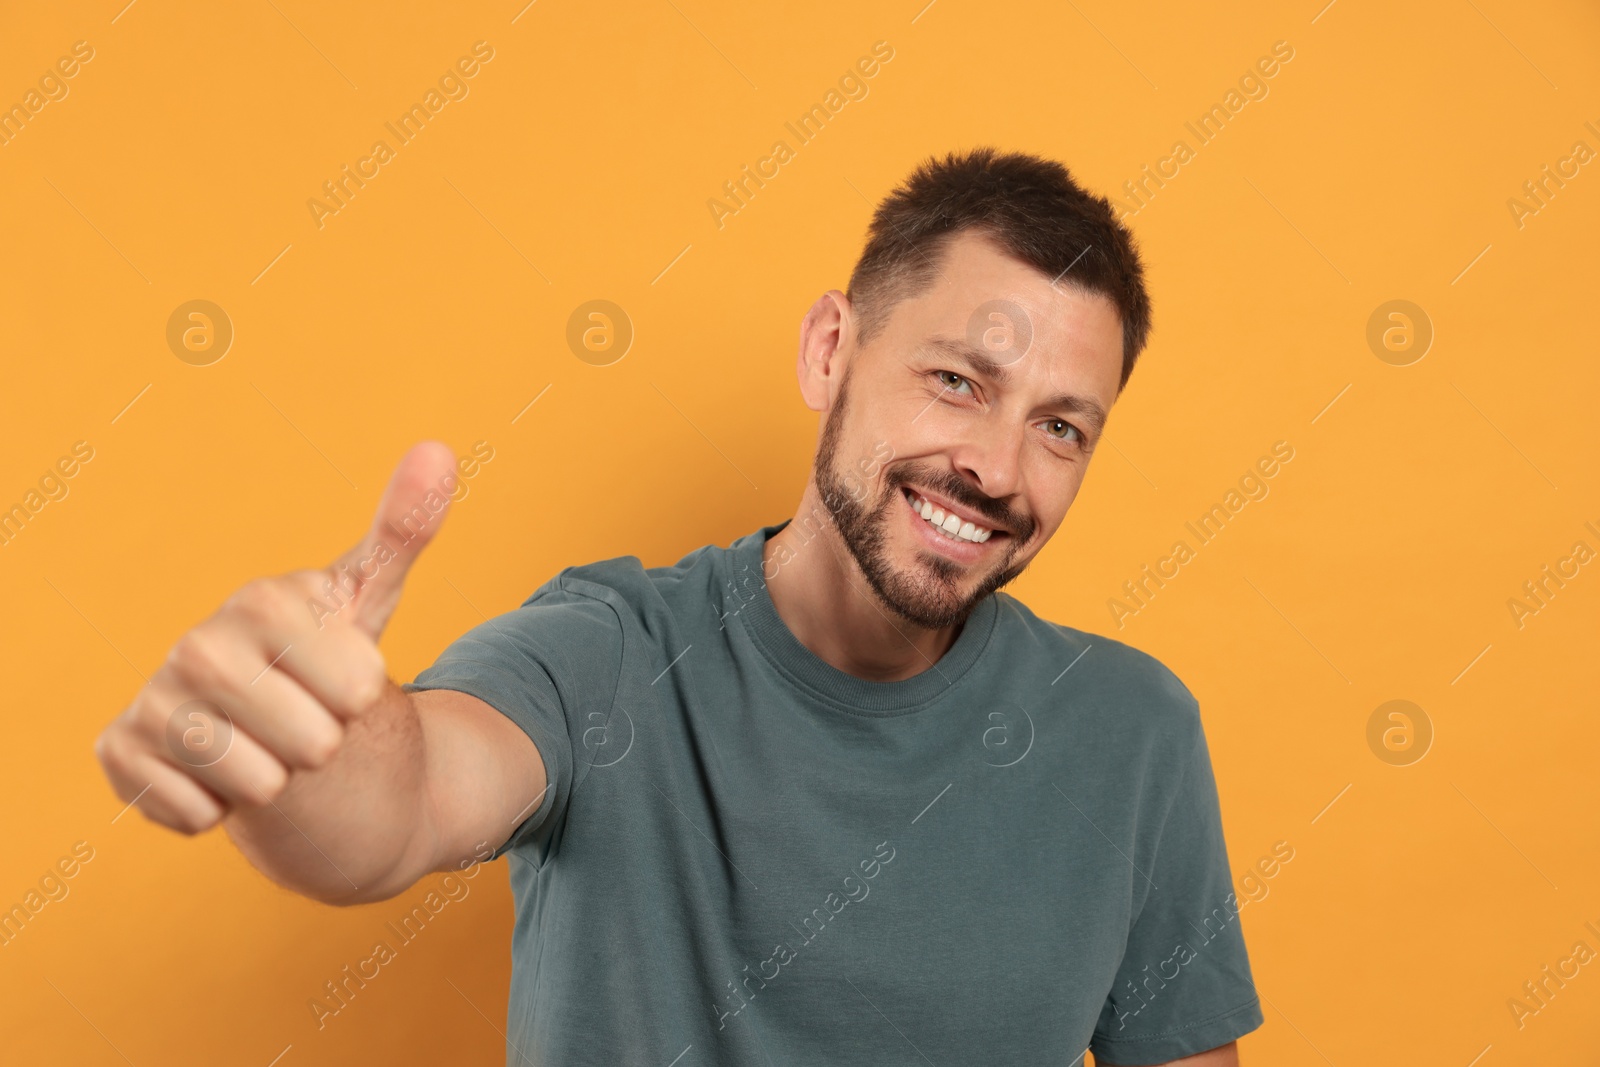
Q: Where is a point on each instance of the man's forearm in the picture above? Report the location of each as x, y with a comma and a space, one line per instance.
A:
340, 834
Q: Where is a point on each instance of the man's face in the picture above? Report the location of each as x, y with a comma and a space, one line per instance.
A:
990, 389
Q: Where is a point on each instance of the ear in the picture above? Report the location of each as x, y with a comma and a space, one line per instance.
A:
827, 334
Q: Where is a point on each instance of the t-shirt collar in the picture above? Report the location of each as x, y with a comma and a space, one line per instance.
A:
752, 604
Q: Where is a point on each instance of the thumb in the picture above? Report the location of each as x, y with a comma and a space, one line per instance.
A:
368, 578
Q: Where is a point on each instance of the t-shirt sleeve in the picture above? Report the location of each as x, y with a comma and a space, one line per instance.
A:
1184, 985
551, 666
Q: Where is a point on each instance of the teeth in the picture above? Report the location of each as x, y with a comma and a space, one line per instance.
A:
950, 525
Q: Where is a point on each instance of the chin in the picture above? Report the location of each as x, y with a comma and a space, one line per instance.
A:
928, 591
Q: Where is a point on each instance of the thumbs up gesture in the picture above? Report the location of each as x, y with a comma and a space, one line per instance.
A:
265, 688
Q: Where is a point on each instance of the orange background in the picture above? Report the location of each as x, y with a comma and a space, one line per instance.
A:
434, 305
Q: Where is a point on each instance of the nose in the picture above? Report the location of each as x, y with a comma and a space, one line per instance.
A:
990, 456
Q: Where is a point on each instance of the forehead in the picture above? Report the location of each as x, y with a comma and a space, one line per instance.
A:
1071, 335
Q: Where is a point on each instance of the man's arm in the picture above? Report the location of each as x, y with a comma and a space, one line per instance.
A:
1221, 1056
276, 716
423, 781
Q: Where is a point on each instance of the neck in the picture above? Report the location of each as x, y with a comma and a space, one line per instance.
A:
825, 600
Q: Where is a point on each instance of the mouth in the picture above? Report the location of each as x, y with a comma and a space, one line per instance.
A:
947, 525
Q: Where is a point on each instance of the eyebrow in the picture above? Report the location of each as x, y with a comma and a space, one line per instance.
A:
976, 359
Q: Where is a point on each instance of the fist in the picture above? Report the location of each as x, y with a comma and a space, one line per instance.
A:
265, 688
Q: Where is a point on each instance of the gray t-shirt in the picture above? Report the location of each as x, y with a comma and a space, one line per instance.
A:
747, 856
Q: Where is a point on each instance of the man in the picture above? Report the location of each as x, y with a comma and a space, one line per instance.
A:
824, 796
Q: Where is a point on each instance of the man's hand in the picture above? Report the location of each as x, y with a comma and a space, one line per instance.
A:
265, 689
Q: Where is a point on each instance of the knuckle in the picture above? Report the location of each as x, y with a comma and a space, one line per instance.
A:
148, 718
194, 819
368, 690
319, 747
198, 659
363, 677
309, 583
267, 784
188, 815
260, 601
111, 748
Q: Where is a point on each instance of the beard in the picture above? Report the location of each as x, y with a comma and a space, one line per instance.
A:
928, 593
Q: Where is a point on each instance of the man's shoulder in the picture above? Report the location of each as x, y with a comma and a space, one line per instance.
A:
1110, 674
627, 584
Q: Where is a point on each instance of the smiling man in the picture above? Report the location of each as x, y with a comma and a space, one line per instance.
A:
826, 795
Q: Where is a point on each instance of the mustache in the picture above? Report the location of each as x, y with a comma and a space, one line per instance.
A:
958, 489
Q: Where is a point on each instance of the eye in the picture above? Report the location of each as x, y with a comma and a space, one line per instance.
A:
945, 376
1050, 427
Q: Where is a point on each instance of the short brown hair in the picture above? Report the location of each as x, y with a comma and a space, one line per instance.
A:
1030, 206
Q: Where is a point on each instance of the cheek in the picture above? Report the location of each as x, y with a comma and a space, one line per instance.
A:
1052, 485
1051, 490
